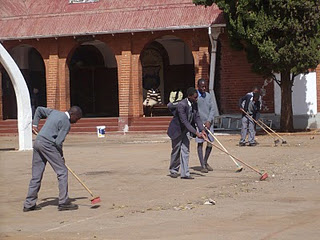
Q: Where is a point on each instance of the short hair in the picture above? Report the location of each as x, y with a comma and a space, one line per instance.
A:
256, 88
75, 110
191, 91
201, 80
256, 95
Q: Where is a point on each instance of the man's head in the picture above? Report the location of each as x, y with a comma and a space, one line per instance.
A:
75, 114
202, 85
256, 89
192, 94
256, 96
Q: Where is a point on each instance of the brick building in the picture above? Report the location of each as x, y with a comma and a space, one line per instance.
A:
101, 55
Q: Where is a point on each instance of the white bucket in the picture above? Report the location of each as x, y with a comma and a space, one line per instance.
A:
101, 131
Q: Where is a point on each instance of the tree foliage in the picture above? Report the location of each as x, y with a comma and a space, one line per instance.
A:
279, 36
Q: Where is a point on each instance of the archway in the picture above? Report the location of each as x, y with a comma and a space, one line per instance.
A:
168, 61
94, 80
31, 65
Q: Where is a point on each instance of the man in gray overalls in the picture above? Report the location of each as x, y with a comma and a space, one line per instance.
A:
48, 148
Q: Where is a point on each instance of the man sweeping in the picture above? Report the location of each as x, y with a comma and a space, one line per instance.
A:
250, 104
179, 131
48, 148
206, 112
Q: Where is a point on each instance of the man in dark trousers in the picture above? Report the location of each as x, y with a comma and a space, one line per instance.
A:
182, 124
48, 148
206, 112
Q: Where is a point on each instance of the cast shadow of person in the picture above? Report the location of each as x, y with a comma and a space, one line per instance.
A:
54, 201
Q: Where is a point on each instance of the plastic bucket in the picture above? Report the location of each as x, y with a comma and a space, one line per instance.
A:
101, 131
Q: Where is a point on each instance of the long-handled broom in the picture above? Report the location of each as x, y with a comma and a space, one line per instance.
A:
264, 175
252, 119
94, 199
269, 128
240, 168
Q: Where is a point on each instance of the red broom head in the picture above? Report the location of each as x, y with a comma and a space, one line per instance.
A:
264, 176
95, 200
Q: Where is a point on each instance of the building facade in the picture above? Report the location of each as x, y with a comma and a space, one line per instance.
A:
104, 55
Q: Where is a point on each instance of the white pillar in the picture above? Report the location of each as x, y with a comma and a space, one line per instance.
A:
23, 99
214, 33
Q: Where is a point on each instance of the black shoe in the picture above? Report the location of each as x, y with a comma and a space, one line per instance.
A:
33, 208
187, 177
204, 170
209, 167
174, 175
252, 144
66, 207
241, 144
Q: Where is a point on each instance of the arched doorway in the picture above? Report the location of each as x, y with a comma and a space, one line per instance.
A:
31, 64
168, 61
94, 80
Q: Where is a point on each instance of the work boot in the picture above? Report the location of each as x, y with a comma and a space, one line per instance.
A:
187, 177
209, 167
174, 175
33, 208
68, 206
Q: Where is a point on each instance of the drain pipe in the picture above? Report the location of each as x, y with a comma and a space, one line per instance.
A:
214, 33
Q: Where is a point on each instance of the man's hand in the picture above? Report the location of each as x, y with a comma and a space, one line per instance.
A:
199, 135
35, 130
207, 124
204, 134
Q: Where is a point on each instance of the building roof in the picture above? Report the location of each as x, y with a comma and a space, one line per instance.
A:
24, 19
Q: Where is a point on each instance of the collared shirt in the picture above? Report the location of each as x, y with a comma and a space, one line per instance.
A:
189, 103
203, 95
68, 115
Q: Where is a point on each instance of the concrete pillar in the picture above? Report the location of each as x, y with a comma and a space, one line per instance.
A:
23, 99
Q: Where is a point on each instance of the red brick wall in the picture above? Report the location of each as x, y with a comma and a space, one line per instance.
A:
236, 76
237, 79
1, 114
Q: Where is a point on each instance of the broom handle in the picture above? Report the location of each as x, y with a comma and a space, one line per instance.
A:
221, 145
257, 123
271, 129
207, 140
70, 170
79, 180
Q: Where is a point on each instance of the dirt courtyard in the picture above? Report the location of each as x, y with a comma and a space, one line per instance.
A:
140, 201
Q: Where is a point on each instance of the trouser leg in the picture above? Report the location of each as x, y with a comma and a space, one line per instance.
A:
252, 132
184, 156
175, 155
51, 153
38, 166
244, 129
200, 154
207, 154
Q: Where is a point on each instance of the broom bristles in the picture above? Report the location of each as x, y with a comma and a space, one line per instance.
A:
95, 200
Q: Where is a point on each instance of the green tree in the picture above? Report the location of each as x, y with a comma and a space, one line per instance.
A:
279, 36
